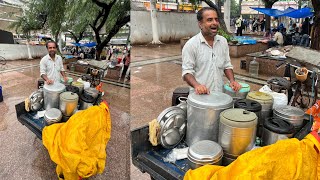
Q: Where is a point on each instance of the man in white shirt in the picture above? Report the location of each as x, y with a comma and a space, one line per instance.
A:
205, 57
51, 65
277, 39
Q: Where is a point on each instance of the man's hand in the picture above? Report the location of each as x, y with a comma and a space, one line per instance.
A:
201, 89
235, 86
65, 79
49, 81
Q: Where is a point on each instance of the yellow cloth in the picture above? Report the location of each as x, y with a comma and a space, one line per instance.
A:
289, 159
78, 147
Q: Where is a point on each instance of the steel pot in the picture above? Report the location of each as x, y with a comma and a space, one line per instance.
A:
266, 102
203, 115
183, 103
237, 131
173, 126
86, 101
79, 85
275, 129
36, 100
292, 114
52, 116
252, 106
92, 92
68, 103
52, 95
204, 152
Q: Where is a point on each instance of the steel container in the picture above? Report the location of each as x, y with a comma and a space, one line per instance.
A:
52, 116
252, 106
86, 101
92, 92
51, 95
266, 102
241, 94
237, 131
292, 114
204, 152
203, 116
275, 129
68, 103
79, 85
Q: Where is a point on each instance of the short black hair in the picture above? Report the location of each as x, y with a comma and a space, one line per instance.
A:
202, 10
51, 42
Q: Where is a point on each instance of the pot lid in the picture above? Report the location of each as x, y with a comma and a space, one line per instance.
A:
260, 97
248, 104
289, 112
87, 98
238, 118
72, 88
69, 96
278, 125
244, 88
215, 100
70, 79
173, 130
55, 87
91, 90
52, 115
168, 112
205, 151
78, 84
36, 100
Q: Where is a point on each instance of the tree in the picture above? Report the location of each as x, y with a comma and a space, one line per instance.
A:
268, 4
154, 22
315, 35
114, 14
234, 10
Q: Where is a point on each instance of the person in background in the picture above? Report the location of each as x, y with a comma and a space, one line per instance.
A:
239, 26
51, 65
296, 37
126, 62
277, 39
263, 24
205, 57
305, 32
268, 34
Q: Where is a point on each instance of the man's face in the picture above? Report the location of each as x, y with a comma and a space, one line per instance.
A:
52, 49
210, 23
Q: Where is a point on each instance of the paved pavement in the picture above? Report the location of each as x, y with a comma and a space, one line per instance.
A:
155, 74
22, 154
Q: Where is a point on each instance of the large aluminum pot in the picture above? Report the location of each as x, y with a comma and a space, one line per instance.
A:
86, 101
275, 129
292, 114
204, 152
79, 85
237, 131
52, 116
68, 103
52, 95
266, 102
203, 115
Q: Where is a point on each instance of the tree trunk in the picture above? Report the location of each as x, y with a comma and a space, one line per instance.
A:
240, 2
154, 23
315, 33
268, 18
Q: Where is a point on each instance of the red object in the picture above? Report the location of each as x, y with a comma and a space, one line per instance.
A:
119, 60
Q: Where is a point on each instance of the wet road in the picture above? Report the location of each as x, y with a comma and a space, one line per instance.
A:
22, 154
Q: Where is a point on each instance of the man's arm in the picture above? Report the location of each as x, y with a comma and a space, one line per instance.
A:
199, 88
233, 84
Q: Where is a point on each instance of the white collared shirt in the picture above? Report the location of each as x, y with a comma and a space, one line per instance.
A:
51, 68
206, 63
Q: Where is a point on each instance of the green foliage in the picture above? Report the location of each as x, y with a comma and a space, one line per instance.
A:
221, 32
234, 9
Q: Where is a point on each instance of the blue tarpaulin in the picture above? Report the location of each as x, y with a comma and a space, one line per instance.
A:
90, 44
289, 12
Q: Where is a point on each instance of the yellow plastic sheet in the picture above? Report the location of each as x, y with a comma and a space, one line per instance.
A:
285, 160
78, 147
